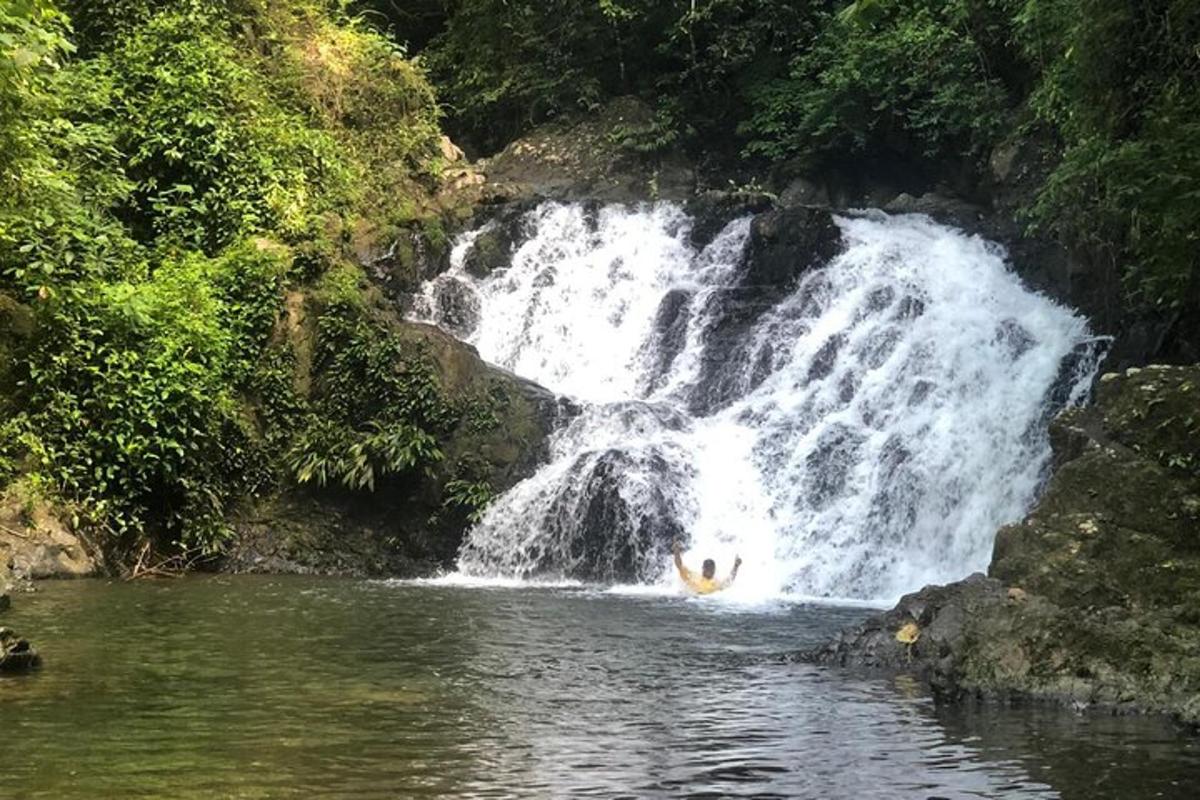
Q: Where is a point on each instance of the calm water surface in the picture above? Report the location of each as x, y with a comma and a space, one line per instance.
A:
252, 687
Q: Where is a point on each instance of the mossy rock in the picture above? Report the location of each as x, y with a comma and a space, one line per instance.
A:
498, 432
1104, 607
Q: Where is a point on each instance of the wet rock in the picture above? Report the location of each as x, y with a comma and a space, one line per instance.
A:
670, 333
599, 509
456, 306
943, 208
713, 210
942, 616
786, 243
502, 234
398, 262
17, 654
804, 192
829, 465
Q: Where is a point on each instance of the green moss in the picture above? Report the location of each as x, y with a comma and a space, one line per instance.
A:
1110, 559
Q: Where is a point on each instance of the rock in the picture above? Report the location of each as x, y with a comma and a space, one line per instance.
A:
450, 151
942, 616
403, 527
586, 159
456, 306
398, 261
784, 244
713, 210
35, 543
600, 508
944, 209
1103, 608
16, 654
804, 192
5, 602
504, 230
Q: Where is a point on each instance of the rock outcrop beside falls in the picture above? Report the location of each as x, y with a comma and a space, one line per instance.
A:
1094, 598
404, 527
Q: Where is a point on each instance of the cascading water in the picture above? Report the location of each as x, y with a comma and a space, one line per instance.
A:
861, 432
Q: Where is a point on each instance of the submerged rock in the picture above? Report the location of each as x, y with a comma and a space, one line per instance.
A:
1094, 598
17, 654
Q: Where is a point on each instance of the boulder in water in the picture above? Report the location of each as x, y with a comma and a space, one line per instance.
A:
784, 244
493, 248
711, 211
933, 648
16, 654
617, 541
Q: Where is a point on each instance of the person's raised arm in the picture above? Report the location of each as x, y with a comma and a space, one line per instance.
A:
677, 550
737, 562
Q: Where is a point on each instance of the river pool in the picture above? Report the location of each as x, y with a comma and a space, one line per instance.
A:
272, 687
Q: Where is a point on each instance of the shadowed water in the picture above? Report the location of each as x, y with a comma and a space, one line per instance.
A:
217, 687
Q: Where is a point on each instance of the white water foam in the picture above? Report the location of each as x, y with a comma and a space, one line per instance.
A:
887, 414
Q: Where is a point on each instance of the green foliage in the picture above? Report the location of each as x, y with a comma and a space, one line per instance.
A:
213, 155
32, 44
473, 496
919, 81
377, 104
143, 181
328, 452
907, 78
132, 394
1120, 83
378, 408
504, 66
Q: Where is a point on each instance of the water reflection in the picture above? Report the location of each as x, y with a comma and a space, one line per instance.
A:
268, 688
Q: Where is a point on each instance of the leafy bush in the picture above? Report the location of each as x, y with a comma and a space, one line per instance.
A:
213, 155
377, 408
1120, 83
142, 185
910, 79
471, 496
133, 395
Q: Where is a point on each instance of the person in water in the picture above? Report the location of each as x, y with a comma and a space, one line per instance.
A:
706, 582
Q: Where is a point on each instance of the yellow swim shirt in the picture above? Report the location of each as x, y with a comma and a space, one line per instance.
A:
700, 584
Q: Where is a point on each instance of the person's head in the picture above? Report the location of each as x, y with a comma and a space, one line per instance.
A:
709, 568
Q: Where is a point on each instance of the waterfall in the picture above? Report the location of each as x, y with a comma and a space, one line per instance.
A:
857, 433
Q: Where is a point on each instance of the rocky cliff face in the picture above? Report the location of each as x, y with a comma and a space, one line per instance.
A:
1094, 598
